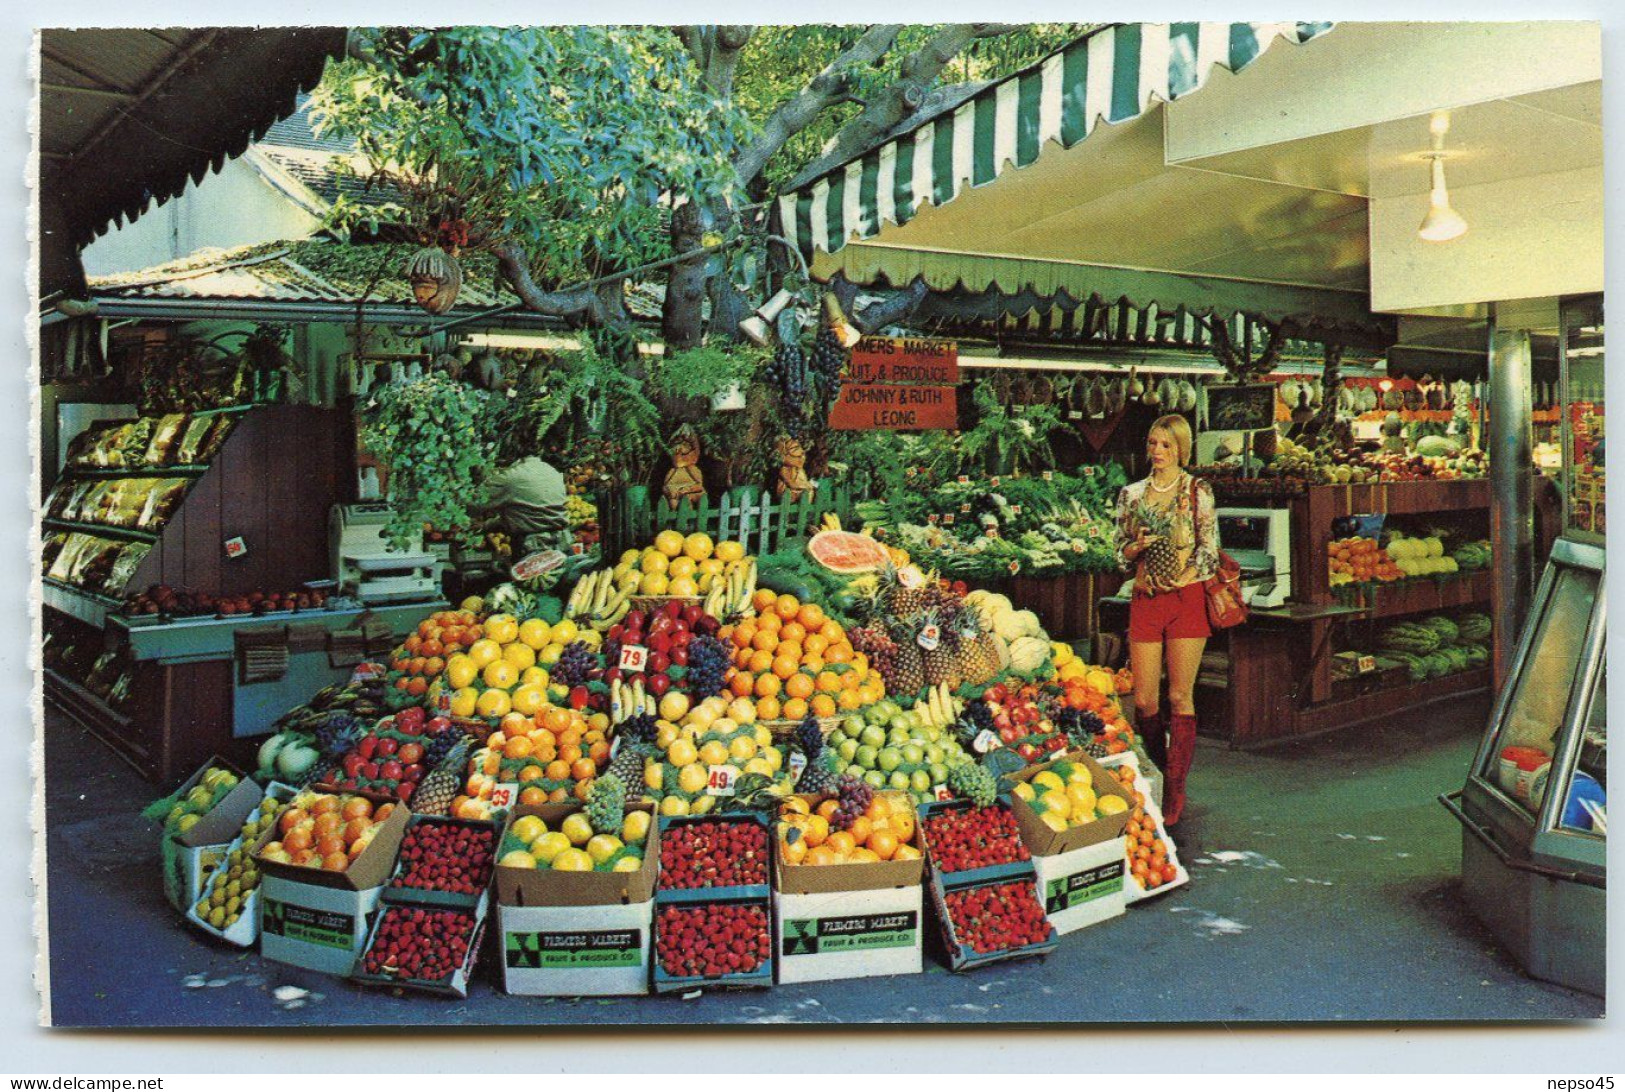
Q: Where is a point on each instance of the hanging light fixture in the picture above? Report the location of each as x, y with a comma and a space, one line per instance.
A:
1442, 223
759, 326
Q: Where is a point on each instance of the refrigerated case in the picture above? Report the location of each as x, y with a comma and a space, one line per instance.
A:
1534, 808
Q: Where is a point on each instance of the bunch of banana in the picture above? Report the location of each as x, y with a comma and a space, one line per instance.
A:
595, 601
628, 700
832, 522
939, 708
731, 594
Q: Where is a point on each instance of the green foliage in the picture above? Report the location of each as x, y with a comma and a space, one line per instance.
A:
436, 435
584, 397
705, 371
1006, 442
560, 140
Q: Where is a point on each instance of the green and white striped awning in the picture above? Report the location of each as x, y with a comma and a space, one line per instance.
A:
1114, 74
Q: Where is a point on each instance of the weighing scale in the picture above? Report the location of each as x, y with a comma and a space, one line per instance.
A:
367, 567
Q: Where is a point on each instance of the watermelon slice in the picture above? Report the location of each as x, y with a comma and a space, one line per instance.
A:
537, 565
847, 552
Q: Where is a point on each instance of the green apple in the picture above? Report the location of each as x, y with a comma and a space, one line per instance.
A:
920, 780
846, 749
873, 736
854, 770
835, 738
865, 757
876, 779
900, 780
852, 725
889, 759
933, 754
913, 754
938, 772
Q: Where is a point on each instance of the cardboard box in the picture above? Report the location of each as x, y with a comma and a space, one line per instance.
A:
568, 951
423, 896
1041, 841
544, 887
189, 857
316, 919
1006, 871
667, 823
247, 928
315, 927
453, 985
576, 934
825, 879
1083, 886
760, 978
849, 934
1133, 891
962, 958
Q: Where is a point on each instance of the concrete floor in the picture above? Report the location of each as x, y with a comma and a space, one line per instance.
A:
1343, 905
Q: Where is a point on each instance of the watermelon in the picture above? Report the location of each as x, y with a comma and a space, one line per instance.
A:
847, 552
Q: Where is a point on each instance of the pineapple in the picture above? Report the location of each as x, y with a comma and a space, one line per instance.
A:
898, 600
908, 673
1160, 563
637, 745
817, 777
938, 662
443, 784
976, 659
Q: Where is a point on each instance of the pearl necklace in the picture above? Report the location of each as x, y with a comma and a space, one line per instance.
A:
1151, 480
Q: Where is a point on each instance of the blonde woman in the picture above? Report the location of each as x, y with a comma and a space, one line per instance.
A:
1168, 535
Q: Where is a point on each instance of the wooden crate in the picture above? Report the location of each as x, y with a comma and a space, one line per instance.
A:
764, 523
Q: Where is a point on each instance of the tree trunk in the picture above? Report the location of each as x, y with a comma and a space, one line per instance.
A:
682, 321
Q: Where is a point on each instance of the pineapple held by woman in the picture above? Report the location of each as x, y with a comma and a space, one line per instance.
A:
1165, 558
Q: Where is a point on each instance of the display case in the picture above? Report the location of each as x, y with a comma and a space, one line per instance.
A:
1534, 808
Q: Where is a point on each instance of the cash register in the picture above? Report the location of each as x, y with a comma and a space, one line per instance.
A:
1260, 539
367, 567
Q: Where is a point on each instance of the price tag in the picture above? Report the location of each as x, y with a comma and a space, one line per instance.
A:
994, 484
1088, 472
1077, 546
941, 792
365, 671
1366, 664
985, 741
932, 518
964, 479
721, 781
930, 637
1015, 509
442, 701
948, 520
1074, 415
1015, 567
798, 763
504, 793
991, 532
1049, 475
578, 548
236, 547
633, 658
965, 507
909, 472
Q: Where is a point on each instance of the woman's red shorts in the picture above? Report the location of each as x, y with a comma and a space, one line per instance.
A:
1175, 614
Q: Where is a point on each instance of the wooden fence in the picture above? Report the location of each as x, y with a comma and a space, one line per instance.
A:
632, 517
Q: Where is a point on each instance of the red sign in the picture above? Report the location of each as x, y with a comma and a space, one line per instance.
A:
893, 406
905, 360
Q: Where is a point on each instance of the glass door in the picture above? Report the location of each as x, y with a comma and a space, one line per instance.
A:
1583, 381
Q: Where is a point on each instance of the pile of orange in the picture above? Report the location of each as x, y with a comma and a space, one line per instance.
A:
791, 660
552, 756
1362, 559
1147, 854
423, 655
884, 832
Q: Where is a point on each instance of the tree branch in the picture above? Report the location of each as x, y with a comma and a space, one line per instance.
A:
893, 309
693, 39
727, 42
903, 97
537, 299
822, 92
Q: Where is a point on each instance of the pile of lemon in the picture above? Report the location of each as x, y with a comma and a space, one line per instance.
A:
573, 847
1064, 796
714, 733
505, 671
676, 564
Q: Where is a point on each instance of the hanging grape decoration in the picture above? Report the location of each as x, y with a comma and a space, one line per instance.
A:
808, 388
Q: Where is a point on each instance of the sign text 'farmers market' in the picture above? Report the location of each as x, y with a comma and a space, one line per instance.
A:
899, 383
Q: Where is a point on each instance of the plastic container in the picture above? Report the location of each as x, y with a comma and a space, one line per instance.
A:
1514, 761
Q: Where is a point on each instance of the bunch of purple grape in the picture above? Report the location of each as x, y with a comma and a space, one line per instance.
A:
707, 666
575, 665
827, 364
854, 797
788, 371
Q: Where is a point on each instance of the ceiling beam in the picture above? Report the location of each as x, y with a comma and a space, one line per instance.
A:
150, 88
80, 71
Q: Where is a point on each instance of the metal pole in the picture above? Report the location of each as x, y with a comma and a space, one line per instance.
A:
1511, 487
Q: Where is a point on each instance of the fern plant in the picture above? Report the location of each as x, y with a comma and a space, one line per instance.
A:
1008, 443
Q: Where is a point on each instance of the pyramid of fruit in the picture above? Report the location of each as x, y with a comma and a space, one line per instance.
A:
890, 748
791, 660
423, 656
550, 757
714, 733
506, 668
690, 567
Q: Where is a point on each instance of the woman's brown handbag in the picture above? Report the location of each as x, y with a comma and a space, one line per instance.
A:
1225, 606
